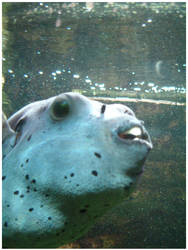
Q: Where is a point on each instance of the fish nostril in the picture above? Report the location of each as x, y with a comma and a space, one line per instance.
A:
103, 108
128, 112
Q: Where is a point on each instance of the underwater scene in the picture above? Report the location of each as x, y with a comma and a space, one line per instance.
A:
130, 53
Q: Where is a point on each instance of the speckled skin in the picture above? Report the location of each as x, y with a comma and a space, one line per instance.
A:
60, 176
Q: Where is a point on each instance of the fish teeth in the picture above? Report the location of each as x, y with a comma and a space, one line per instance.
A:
136, 131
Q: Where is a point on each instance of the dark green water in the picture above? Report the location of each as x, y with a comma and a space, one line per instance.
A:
134, 50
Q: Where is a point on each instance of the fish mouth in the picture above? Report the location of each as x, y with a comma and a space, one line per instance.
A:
135, 134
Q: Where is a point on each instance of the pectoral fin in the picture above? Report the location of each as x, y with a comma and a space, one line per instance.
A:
8, 136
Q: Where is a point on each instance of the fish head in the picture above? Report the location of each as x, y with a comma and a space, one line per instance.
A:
72, 159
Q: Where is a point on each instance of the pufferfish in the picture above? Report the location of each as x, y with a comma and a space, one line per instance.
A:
67, 160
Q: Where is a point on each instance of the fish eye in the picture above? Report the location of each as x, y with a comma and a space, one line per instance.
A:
59, 109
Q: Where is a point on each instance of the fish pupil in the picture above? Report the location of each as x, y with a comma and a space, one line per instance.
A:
61, 109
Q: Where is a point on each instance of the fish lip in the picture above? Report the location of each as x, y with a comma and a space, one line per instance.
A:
139, 141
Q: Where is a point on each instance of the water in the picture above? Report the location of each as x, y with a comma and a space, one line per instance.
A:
112, 50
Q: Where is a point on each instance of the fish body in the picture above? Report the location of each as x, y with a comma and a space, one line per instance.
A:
66, 161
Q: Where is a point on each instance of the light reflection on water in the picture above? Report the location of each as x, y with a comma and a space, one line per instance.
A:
98, 49
152, 87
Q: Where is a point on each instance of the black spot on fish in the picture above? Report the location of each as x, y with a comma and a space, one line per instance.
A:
77, 185
5, 224
49, 218
27, 161
29, 138
47, 195
21, 165
72, 174
65, 177
103, 108
4, 156
31, 209
35, 190
94, 172
128, 112
16, 192
27, 177
41, 206
21, 196
97, 155
83, 210
33, 181
3, 178
8, 205
28, 189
